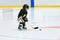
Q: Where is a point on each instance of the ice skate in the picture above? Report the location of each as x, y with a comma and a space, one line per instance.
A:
25, 28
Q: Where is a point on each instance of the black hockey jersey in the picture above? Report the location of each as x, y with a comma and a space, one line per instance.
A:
22, 12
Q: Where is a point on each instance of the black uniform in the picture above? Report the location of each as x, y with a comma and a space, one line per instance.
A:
22, 13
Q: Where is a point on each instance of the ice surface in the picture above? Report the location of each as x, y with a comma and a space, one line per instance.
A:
37, 17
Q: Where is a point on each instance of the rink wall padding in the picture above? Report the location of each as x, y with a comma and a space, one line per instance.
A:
41, 6
31, 3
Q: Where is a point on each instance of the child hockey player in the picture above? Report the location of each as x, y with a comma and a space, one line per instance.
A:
22, 17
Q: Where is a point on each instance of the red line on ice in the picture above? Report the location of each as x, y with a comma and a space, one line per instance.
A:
51, 27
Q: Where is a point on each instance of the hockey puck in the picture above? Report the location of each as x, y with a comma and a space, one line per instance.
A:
40, 29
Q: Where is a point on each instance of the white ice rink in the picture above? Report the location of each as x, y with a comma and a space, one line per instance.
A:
47, 19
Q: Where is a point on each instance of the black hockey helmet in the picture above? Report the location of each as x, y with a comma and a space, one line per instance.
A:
25, 6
